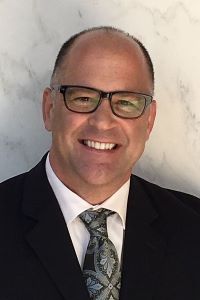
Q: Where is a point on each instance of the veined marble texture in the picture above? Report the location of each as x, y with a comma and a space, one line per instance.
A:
31, 34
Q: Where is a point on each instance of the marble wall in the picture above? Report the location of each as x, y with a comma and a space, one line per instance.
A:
31, 34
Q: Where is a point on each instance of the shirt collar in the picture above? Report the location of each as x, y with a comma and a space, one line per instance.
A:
72, 205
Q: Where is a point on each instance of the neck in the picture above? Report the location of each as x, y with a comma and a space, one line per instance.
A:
94, 190
92, 193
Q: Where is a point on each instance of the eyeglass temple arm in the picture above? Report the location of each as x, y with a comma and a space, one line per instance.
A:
55, 87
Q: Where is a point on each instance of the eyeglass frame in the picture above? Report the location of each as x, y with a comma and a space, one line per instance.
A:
102, 96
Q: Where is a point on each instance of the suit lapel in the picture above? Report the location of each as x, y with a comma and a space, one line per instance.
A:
143, 247
49, 238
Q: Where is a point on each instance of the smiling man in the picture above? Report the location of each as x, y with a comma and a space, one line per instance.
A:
79, 225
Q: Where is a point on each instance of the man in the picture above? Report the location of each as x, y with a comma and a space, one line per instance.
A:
79, 225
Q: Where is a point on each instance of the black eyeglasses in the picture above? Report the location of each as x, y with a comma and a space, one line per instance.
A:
81, 99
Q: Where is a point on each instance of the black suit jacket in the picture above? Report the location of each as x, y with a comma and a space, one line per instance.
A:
161, 255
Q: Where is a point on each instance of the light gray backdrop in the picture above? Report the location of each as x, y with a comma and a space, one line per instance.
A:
31, 33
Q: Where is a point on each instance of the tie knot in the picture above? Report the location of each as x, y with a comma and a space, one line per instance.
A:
96, 221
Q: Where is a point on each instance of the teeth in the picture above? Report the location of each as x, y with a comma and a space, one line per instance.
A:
98, 145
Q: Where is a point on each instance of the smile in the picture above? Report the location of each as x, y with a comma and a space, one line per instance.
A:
99, 145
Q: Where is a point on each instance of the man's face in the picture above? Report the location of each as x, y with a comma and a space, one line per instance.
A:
107, 64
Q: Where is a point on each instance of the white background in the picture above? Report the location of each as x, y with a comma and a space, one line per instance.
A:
31, 33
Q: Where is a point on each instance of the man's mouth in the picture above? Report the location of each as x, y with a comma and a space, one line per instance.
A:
99, 145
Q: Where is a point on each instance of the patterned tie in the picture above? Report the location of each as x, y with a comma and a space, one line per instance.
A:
101, 269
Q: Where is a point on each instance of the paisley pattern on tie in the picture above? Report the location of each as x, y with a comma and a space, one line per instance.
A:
101, 269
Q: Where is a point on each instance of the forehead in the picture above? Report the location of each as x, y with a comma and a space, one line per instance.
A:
99, 43
103, 54
104, 39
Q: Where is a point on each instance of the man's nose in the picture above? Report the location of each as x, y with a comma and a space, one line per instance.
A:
103, 117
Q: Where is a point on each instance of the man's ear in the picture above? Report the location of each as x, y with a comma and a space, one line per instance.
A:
47, 108
151, 117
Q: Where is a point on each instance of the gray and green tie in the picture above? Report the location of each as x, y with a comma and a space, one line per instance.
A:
101, 269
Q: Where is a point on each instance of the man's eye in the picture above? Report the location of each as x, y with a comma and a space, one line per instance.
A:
128, 105
82, 99
125, 103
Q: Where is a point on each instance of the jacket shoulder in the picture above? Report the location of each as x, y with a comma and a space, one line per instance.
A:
11, 192
16, 183
174, 197
11, 184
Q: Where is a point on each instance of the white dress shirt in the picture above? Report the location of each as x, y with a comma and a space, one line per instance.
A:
72, 205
